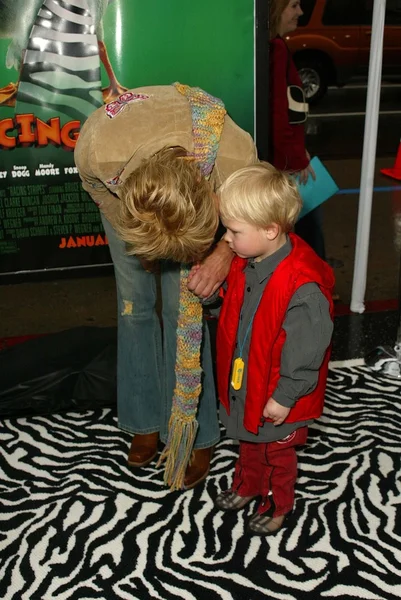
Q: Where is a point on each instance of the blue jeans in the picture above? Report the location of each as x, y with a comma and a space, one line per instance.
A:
146, 357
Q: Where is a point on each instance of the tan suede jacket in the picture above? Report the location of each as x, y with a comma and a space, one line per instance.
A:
117, 137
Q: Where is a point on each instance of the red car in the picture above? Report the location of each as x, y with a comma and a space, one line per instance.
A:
332, 42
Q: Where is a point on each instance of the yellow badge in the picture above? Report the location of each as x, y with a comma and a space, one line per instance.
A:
237, 374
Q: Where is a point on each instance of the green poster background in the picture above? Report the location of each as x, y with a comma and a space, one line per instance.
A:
46, 220
207, 44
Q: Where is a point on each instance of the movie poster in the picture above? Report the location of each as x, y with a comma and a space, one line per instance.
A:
62, 59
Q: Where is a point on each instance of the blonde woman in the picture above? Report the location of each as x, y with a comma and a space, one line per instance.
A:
153, 179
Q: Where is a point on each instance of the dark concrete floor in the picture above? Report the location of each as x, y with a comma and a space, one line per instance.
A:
49, 306
340, 223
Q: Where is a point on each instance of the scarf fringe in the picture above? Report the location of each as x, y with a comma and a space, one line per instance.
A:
178, 450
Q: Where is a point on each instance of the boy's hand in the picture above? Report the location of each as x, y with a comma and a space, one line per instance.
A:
194, 269
275, 411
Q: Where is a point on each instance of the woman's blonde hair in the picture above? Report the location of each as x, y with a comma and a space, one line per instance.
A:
261, 195
277, 7
168, 210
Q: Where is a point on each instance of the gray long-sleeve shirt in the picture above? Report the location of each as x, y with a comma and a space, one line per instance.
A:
308, 326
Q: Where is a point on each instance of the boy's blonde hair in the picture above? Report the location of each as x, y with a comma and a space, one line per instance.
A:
261, 195
277, 7
168, 209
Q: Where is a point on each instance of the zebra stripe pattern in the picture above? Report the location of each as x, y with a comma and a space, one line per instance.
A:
61, 67
77, 523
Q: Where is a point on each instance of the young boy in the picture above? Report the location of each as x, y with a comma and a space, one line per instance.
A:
273, 341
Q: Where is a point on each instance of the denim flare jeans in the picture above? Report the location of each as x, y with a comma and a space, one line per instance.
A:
146, 354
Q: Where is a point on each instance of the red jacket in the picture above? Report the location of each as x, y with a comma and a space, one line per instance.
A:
301, 266
288, 141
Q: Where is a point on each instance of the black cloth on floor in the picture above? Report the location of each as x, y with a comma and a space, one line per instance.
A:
71, 370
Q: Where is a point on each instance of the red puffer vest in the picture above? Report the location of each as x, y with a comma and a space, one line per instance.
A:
301, 266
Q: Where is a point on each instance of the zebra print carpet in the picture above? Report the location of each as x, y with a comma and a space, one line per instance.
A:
76, 523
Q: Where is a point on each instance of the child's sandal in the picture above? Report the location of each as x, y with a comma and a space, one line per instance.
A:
266, 525
229, 500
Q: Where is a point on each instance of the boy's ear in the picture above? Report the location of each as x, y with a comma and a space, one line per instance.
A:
272, 231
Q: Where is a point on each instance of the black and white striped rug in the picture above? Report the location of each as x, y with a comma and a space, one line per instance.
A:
76, 523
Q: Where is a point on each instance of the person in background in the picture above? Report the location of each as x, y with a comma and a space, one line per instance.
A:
273, 341
151, 161
288, 151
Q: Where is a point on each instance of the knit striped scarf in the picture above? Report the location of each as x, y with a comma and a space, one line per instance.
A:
207, 125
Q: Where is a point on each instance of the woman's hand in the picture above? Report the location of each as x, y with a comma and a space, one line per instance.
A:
207, 276
304, 174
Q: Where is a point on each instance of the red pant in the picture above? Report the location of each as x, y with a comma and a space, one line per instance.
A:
269, 470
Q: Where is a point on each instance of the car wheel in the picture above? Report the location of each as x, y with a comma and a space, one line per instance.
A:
313, 77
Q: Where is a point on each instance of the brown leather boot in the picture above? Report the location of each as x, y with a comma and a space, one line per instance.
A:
143, 449
199, 467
